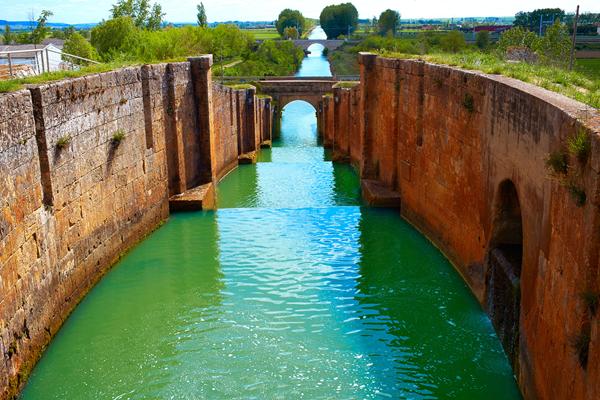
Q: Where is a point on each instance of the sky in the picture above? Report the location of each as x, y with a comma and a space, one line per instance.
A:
85, 11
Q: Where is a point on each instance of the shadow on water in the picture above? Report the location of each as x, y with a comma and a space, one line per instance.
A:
135, 326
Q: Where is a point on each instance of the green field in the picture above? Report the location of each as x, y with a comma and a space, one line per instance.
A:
264, 34
589, 67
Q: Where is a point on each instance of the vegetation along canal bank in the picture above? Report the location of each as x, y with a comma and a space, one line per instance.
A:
425, 231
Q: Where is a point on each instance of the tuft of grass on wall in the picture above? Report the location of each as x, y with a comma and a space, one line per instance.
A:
118, 137
558, 162
580, 146
63, 142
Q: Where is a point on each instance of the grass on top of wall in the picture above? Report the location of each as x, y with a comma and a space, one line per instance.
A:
16, 84
574, 84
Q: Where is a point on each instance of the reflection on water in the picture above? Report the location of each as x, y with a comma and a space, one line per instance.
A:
290, 290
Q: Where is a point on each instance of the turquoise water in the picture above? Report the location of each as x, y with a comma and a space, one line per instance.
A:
291, 290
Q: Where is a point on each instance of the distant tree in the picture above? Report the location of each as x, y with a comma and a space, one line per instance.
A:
9, 37
554, 48
453, 41
291, 33
517, 37
389, 22
531, 20
112, 36
41, 30
482, 39
202, 21
142, 15
290, 18
340, 19
77, 45
154, 21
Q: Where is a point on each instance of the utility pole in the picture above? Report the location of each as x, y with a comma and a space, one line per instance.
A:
571, 59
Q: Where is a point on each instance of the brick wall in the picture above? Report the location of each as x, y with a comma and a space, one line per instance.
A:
73, 199
446, 140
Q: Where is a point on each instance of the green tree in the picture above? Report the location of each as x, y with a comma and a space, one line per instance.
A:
112, 37
340, 19
140, 12
77, 45
483, 40
290, 18
155, 19
291, 33
453, 41
517, 37
9, 37
202, 20
554, 48
531, 20
389, 22
41, 30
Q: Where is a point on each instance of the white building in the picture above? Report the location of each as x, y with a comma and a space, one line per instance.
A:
36, 59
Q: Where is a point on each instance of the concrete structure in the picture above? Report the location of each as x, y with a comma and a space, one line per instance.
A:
87, 168
463, 154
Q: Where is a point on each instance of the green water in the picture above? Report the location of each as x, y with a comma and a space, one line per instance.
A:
291, 290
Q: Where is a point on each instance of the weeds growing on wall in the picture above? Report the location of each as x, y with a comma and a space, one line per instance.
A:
558, 162
469, 103
118, 137
63, 142
580, 146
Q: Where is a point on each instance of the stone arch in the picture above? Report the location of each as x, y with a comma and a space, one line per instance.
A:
312, 100
504, 260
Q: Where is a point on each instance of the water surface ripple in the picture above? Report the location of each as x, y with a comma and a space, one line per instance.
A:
291, 290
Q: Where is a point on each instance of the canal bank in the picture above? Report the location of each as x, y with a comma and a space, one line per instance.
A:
292, 288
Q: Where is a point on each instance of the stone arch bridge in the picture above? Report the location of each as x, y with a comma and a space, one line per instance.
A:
331, 45
284, 90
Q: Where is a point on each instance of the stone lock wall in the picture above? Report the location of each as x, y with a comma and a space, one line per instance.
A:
87, 166
446, 140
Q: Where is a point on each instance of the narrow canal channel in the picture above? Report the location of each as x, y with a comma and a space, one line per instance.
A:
290, 290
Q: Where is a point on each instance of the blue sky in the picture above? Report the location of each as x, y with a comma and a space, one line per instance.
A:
81, 11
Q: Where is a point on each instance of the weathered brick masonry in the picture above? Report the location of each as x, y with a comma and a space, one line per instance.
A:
73, 198
453, 143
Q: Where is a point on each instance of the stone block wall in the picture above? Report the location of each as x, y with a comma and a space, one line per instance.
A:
448, 140
87, 167
225, 106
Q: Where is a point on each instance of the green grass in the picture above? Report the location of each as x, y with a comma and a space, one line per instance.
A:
239, 86
346, 85
16, 84
344, 61
573, 84
264, 34
589, 67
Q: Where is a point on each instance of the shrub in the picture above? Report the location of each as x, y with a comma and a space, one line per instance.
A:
580, 146
482, 39
555, 46
77, 45
469, 103
453, 42
577, 193
118, 137
517, 37
558, 162
113, 37
63, 142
